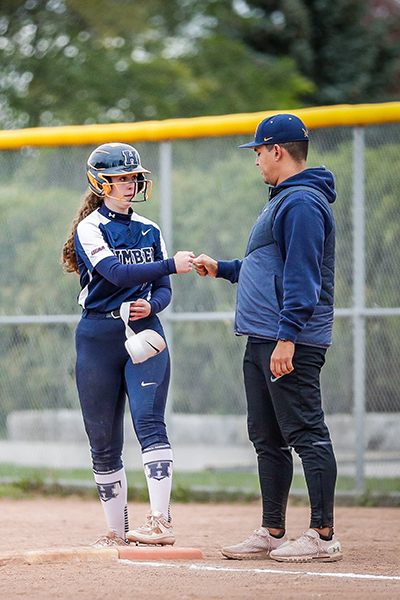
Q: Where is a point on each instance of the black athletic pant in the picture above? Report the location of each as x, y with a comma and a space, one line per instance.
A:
287, 414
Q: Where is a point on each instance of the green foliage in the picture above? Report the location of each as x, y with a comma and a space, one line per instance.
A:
34, 485
101, 61
205, 486
237, 80
349, 49
86, 62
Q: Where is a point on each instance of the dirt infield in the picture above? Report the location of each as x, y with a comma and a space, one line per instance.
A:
369, 536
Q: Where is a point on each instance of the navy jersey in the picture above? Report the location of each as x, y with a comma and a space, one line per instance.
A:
129, 238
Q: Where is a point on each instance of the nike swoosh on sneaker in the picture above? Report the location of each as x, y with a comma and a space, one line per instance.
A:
147, 231
143, 384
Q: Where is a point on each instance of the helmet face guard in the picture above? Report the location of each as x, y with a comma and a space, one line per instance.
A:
116, 159
103, 184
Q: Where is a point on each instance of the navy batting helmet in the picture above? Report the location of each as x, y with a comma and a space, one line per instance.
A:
115, 159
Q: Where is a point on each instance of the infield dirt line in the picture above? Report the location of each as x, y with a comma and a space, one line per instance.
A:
271, 571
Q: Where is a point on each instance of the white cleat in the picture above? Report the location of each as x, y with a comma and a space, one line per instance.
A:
157, 530
110, 539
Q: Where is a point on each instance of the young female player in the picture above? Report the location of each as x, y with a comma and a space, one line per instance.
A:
124, 274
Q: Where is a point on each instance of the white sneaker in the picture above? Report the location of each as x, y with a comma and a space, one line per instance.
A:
309, 547
157, 530
258, 545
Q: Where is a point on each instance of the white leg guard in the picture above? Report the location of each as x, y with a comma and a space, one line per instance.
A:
113, 492
157, 464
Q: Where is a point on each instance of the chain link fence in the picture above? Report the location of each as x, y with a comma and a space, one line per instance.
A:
206, 195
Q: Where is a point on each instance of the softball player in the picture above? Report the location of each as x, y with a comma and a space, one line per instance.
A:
124, 274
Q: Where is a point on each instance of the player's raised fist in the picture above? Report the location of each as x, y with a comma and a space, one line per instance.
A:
183, 261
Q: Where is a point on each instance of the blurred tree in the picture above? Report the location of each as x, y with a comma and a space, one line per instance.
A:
80, 62
71, 62
349, 49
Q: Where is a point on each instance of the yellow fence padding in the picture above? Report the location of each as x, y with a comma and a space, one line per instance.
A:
170, 129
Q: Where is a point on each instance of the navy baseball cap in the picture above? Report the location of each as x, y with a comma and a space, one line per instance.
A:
279, 129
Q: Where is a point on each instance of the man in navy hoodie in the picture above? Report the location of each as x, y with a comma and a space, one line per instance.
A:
285, 307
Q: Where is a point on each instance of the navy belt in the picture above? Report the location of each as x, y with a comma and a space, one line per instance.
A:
91, 313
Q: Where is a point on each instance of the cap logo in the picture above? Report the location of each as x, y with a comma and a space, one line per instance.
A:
266, 139
130, 158
305, 131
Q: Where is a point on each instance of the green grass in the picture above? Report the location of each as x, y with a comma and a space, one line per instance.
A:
205, 486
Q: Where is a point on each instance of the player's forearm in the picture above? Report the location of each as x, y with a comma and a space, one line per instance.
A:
161, 294
133, 275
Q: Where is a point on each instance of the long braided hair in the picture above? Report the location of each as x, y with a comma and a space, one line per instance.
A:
68, 258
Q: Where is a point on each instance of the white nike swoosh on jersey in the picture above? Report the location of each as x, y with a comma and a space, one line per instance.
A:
147, 231
143, 384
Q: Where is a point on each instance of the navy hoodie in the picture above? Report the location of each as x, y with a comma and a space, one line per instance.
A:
286, 279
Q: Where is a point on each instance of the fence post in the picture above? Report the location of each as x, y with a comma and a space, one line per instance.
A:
165, 158
359, 350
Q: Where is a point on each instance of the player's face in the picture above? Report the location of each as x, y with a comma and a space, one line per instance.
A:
122, 191
123, 187
266, 160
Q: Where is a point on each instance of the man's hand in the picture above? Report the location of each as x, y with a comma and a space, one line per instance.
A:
281, 358
205, 265
139, 309
183, 261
